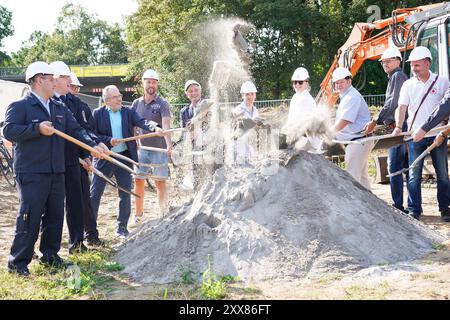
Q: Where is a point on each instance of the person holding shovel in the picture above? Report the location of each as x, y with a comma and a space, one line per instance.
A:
39, 167
418, 97
152, 107
351, 117
397, 155
114, 121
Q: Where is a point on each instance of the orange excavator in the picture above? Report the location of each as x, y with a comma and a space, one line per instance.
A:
427, 25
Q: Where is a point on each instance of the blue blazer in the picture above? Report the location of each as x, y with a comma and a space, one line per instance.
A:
130, 119
33, 152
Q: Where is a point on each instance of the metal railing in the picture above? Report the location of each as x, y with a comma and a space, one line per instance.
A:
374, 100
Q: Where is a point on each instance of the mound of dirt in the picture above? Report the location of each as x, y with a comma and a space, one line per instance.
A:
306, 218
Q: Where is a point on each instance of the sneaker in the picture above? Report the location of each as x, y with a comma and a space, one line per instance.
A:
55, 261
122, 232
95, 242
78, 247
23, 272
445, 215
138, 219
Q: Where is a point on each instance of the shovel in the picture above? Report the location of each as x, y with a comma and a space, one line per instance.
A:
150, 135
415, 162
139, 164
90, 149
108, 180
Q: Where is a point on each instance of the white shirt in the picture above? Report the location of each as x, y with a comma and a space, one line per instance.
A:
354, 109
301, 104
412, 93
45, 104
243, 111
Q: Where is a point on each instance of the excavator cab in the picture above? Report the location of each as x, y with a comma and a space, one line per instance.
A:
435, 35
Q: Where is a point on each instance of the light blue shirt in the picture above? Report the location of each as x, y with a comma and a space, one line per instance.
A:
115, 119
46, 104
354, 109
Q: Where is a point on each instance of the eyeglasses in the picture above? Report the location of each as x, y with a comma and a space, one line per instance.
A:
387, 61
299, 82
116, 96
46, 76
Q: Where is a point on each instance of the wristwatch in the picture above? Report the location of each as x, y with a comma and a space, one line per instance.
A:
442, 134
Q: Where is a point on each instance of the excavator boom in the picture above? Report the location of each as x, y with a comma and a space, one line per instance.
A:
361, 45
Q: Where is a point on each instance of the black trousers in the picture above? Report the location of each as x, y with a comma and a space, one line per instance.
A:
89, 219
74, 204
41, 206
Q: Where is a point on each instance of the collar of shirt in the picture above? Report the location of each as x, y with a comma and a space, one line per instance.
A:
46, 104
248, 111
429, 81
155, 99
112, 111
345, 92
394, 71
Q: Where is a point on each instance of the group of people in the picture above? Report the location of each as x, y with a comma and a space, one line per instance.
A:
414, 105
52, 173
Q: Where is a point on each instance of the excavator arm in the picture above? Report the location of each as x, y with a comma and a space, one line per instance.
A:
361, 45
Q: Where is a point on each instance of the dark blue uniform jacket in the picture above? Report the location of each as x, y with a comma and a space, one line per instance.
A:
33, 152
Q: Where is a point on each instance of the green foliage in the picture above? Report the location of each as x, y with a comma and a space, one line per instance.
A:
214, 286
6, 30
79, 38
168, 35
90, 276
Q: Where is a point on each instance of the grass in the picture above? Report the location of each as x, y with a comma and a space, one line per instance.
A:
214, 286
90, 277
362, 292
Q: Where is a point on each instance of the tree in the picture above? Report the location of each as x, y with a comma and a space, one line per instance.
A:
79, 38
6, 30
287, 34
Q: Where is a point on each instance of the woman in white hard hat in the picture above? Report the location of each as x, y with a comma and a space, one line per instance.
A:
242, 147
302, 104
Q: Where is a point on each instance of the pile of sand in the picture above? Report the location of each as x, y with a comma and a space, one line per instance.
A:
308, 218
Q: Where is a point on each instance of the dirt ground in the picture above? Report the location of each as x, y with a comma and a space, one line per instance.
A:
426, 278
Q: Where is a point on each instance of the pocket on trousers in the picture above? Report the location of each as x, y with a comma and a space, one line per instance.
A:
23, 220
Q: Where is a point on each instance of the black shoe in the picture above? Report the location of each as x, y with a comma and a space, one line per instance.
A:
95, 242
56, 262
122, 232
445, 214
24, 272
78, 248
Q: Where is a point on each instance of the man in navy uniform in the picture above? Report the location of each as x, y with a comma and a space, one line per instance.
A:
75, 200
114, 121
39, 167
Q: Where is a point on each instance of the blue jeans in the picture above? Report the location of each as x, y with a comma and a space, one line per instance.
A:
123, 179
439, 158
397, 160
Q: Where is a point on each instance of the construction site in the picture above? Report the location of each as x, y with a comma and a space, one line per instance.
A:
287, 222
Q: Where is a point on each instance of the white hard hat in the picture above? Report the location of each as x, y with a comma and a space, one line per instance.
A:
340, 73
189, 83
36, 68
61, 69
150, 74
300, 74
248, 87
419, 53
75, 81
391, 52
